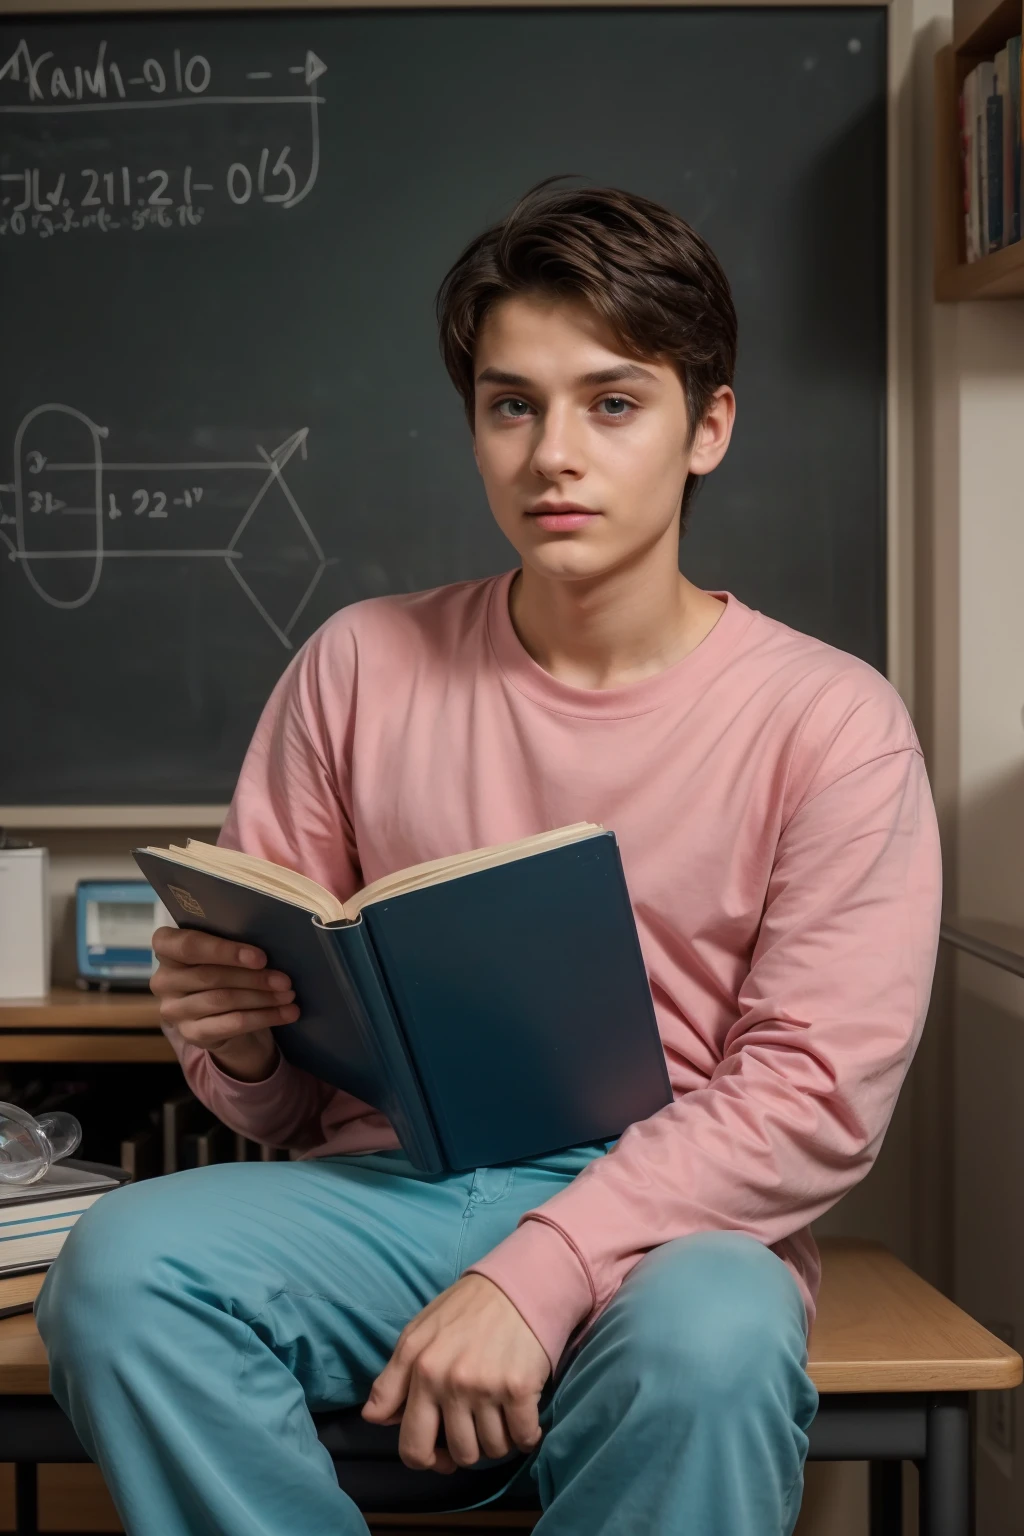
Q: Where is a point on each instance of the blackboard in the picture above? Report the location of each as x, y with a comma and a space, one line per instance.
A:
220, 240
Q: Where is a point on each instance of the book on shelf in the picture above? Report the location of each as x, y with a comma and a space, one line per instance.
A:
140, 1155
35, 1219
213, 1143
248, 1151
181, 1115
494, 1005
968, 165
986, 79
1005, 116
1014, 130
990, 146
994, 150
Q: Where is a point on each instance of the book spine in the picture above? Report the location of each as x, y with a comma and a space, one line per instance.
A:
971, 115
1015, 133
994, 163
965, 171
984, 89
629, 925
982, 155
359, 975
1006, 127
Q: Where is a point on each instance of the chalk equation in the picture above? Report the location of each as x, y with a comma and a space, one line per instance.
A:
155, 509
47, 188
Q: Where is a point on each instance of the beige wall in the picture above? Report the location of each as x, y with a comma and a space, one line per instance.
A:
988, 1006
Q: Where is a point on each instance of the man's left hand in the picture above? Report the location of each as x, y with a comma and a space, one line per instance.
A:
468, 1358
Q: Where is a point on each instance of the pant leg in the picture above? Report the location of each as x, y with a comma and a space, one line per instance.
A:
193, 1321
686, 1408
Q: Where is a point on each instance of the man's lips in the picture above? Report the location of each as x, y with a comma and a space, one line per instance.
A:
562, 517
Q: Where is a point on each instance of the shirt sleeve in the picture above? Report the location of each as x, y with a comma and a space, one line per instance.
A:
793, 1115
289, 805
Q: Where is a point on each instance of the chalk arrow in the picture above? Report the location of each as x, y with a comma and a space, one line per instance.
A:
283, 452
314, 67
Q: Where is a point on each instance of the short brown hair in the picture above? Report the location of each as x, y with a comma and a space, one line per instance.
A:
638, 265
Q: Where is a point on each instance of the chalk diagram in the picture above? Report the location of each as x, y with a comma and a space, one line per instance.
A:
174, 514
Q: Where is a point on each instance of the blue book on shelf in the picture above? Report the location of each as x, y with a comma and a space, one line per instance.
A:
994, 125
494, 1006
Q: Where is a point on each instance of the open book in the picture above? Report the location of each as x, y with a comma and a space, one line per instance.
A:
494, 1005
274, 880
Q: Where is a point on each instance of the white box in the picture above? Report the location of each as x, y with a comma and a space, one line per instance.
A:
24, 922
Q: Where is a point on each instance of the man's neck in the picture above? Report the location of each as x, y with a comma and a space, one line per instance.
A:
615, 630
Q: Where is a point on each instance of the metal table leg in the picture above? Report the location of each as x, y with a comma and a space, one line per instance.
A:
886, 1498
946, 1482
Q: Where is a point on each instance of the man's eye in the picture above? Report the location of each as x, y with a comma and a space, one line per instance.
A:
620, 407
519, 409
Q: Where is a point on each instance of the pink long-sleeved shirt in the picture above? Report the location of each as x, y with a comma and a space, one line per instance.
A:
781, 851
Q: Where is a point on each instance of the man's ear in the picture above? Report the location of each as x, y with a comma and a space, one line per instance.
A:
475, 453
714, 433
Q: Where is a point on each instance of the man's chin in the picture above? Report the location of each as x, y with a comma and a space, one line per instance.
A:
568, 559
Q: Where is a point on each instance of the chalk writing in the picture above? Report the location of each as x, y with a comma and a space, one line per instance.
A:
47, 490
49, 193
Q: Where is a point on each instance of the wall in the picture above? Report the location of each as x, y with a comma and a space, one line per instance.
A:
988, 1051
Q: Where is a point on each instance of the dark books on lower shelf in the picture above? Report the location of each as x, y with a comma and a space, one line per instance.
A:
495, 1005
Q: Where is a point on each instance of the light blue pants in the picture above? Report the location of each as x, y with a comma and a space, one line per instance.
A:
192, 1323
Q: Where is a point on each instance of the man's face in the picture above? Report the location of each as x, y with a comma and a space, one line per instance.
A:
563, 416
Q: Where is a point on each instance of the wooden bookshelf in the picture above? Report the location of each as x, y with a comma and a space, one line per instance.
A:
69, 1025
979, 30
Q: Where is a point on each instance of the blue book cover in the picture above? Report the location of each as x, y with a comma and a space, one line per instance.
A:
493, 1016
994, 126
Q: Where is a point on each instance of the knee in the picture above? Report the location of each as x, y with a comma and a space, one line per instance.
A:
110, 1271
714, 1320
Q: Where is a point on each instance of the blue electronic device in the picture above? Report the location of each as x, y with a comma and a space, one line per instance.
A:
114, 922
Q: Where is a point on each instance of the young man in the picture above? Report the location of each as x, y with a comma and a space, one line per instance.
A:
633, 1315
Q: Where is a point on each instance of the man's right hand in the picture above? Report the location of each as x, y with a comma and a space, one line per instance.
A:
221, 997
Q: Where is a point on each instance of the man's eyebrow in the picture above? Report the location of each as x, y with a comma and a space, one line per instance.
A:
616, 375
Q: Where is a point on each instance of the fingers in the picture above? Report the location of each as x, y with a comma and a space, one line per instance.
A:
213, 989
471, 1431
460, 1432
172, 979
523, 1419
473, 1426
217, 1029
453, 1365
491, 1430
187, 946
220, 1000
421, 1424
387, 1394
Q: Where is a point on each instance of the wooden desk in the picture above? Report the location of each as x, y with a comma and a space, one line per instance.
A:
893, 1359
880, 1328
69, 1025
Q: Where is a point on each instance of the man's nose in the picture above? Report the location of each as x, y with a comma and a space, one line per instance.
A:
558, 448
